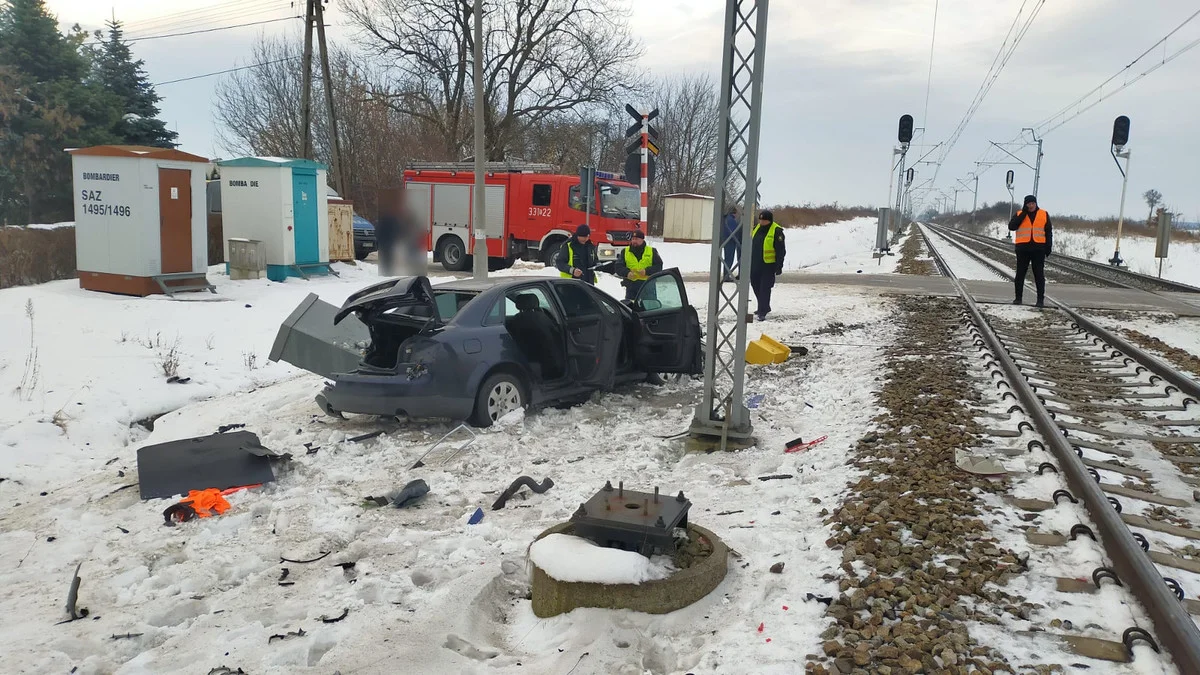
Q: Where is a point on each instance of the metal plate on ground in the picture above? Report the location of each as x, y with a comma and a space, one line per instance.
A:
219, 461
631, 520
1092, 648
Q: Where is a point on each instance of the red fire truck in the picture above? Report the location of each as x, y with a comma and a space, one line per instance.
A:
530, 211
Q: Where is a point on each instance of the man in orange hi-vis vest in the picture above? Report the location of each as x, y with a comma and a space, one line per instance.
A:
1033, 240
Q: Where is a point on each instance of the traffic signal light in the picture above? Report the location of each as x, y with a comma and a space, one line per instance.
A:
1120, 137
906, 128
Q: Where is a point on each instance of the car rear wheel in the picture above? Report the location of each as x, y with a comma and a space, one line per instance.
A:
453, 254
500, 394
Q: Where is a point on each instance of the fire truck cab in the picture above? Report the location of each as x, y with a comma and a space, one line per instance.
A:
530, 211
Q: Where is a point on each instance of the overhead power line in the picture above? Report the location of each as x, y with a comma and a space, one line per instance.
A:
1007, 49
1073, 110
1047, 125
226, 71
206, 30
206, 16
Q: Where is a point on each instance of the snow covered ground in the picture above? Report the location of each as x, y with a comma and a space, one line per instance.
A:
428, 592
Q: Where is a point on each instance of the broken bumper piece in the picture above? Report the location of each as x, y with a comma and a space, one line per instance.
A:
392, 395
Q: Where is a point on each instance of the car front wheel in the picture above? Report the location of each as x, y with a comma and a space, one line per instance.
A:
500, 394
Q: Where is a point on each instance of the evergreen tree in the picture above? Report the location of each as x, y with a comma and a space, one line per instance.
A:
47, 107
114, 68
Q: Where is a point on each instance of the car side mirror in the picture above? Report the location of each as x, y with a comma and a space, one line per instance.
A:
650, 305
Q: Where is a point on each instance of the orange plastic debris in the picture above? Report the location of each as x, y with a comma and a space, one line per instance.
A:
204, 502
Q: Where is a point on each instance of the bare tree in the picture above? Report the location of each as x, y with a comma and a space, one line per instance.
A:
542, 58
1153, 198
258, 113
687, 124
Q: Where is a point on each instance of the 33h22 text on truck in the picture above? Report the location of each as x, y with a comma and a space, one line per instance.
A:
530, 212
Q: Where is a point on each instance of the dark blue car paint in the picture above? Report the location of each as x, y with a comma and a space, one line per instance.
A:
458, 355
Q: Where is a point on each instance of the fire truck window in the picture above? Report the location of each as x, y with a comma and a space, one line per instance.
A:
575, 201
541, 195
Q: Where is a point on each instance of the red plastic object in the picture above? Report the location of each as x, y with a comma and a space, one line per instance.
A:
760, 627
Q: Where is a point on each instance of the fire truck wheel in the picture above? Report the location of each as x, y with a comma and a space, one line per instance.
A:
551, 250
453, 254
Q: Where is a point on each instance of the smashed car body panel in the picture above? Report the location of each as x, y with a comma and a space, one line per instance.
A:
432, 349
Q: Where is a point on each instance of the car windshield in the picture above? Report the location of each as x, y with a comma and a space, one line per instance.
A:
620, 202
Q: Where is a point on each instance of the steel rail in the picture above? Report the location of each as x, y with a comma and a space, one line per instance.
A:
1173, 625
1066, 262
1185, 383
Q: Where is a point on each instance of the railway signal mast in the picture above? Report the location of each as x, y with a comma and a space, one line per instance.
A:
1120, 138
1008, 182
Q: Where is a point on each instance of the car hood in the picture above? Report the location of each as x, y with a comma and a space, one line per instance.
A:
412, 293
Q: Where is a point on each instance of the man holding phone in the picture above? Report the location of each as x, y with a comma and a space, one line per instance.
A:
1032, 242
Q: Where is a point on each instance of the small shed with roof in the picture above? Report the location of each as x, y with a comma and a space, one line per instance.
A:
687, 217
282, 204
140, 223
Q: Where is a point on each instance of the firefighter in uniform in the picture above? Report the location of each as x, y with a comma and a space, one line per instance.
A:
1032, 242
766, 260
636, 263
577, 258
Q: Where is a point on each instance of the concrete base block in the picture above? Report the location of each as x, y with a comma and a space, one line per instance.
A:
552, 597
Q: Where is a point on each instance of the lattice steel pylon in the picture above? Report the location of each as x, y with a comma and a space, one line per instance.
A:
722, 412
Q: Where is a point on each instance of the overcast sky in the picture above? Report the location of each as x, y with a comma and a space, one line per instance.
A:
839, 74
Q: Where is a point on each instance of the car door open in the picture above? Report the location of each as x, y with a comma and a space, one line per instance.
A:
668, 337
593, 335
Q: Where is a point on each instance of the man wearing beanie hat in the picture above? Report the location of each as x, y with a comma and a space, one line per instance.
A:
1032, 242
766, 260
637, 262
577, 258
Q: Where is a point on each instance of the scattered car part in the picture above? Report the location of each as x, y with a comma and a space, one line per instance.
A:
218, 461
73, 597
421, 460
546, 484
410, 493
310, 339
344, 614
475, 517
304, 562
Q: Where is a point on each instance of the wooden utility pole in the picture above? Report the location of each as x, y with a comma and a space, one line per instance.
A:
314, 14
306, 149
335, 146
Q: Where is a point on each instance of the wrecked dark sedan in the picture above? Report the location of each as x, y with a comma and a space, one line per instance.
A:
477, 350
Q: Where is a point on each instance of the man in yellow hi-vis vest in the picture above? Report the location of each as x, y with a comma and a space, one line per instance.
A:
636, 263
766, 260
1033, 240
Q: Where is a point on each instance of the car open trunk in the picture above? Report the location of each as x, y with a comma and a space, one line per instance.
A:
364, 334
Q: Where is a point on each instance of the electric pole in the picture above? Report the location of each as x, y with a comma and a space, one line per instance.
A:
335, 145
1037, 171
314, 13
306, 149
479, 215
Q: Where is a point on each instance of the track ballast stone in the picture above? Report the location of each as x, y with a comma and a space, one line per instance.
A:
918, 560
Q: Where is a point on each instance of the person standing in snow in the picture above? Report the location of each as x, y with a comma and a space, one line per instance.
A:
577, 258
731, 234
766, 260
637, 262
1032, 242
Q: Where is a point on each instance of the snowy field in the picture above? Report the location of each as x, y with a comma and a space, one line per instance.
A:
427, 592
1137, 252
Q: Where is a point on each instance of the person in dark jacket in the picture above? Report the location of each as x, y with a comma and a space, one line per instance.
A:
1033, 240
731, 235
637, 262
766, 260
577, 258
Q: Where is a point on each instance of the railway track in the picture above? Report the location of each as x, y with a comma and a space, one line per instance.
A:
1068, 269
1120, 428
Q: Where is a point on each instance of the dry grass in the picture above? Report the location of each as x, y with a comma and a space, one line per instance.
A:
29, 256
810, 214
